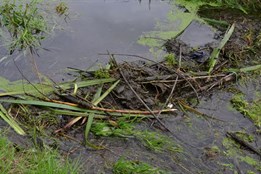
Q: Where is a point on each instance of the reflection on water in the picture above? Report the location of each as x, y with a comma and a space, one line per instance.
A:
101, 25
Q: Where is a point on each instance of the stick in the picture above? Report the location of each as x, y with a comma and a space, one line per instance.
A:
22, 74
169, 97
128, 55
244, 143
174, 85
165, 79
124, 111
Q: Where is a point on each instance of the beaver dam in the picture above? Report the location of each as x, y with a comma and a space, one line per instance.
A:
193, 109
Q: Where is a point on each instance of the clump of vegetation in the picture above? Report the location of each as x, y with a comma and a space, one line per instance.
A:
32, 161
102, 73
131, 167
102, 129
233, 150
250, 110
152, 140
24, 24
62, 9
245, 6
170, 59
121, 128
157, 142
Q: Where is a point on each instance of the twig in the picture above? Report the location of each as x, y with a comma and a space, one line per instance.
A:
237, 166
180, 73
22, 74
173, 87
219, 66
208, 87
223, 79
180, 52
124, 111
190, 109
128, 55
170, 78
133, 111
35, 67
169, 97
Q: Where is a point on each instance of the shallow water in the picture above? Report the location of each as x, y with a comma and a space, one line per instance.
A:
99, 25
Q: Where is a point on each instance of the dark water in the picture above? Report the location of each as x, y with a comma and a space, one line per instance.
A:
95, 27
198, 34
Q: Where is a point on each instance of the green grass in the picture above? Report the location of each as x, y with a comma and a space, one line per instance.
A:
32, 161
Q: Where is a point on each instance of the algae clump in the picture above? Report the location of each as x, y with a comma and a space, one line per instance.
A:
251, 110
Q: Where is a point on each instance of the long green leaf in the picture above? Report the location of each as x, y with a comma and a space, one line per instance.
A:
43, 104
19, 87
88, 127
68, 108
86, 83
215, 53
91, 117
9, 120
98, 100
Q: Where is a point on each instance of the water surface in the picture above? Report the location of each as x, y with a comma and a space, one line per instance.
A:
100, 25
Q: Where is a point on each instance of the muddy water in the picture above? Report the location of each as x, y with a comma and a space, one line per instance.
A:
95, 27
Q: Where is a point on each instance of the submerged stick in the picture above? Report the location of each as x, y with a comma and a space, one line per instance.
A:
195, 111
243, 143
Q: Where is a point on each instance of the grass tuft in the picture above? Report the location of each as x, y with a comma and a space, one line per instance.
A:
24, 24
33, 161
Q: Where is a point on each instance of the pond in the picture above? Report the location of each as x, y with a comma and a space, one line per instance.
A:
97, 26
